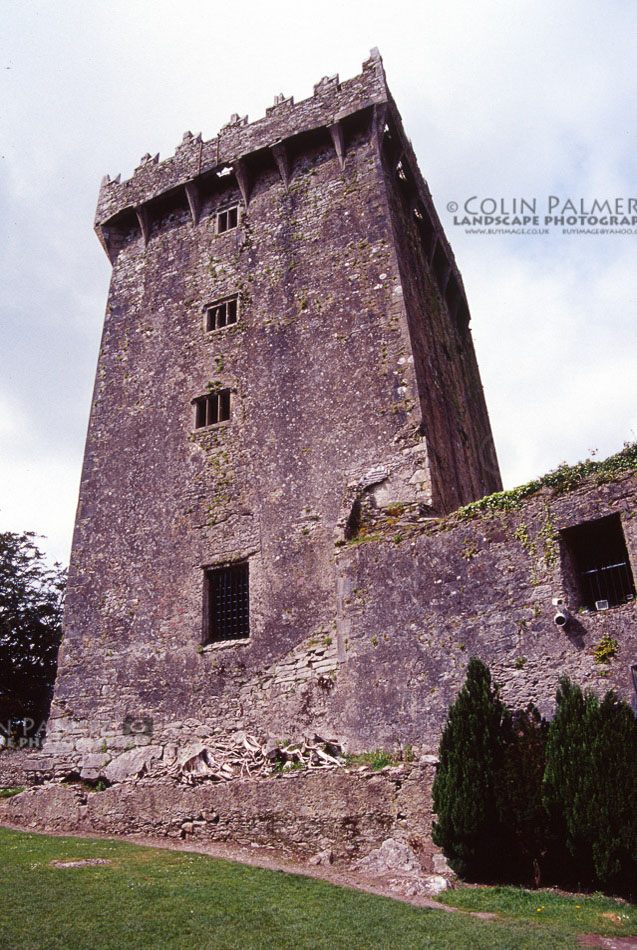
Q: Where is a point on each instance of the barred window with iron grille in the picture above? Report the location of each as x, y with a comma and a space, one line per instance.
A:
226, 603
600, 563
212, 408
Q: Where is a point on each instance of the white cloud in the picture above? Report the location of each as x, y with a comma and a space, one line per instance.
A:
38, 488
39, 493
562, 377
14, 423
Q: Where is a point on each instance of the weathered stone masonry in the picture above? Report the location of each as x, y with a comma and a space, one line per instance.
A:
356, 424
302, 814
350, 367
418, 599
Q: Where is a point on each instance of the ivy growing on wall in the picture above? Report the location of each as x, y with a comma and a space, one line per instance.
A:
562, 479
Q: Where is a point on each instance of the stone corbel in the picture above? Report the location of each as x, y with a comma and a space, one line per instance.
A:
104, 235
142, 217
194, 203
282, 160
241, 173
338, 140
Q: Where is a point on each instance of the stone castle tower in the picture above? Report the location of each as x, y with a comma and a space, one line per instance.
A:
286, 337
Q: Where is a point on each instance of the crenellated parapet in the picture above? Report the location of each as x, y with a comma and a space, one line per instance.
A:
200, 174
239, 139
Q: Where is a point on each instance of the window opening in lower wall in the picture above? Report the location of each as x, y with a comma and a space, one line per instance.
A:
226, 603
600, 563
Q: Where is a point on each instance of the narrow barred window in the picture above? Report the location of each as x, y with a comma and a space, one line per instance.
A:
222, 313
212, 408
226, 603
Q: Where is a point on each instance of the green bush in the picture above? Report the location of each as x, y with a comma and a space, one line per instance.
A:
590, 786
520, 805
521, 801
465, 790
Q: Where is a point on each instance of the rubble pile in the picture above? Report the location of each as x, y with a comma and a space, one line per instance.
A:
244, 756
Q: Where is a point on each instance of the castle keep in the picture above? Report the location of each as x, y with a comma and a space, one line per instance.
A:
287, 412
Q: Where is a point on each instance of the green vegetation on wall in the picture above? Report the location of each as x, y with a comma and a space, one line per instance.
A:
564, 478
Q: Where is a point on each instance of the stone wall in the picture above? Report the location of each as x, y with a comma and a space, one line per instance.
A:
454, 414
417, 601
327, 369
18, 768
417, 597
300, 814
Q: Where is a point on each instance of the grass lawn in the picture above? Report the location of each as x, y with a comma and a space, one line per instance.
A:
572, 914
148, 897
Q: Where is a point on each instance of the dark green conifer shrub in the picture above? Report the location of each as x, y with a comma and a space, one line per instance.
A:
590, 787
520, 807
523, 801
465, 790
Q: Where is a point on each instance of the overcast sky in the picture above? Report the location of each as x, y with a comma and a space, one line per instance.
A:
502, 100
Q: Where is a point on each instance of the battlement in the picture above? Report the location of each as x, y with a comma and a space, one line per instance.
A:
331, 102
336, 113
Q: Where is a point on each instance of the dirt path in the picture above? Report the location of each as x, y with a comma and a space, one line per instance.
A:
609, 943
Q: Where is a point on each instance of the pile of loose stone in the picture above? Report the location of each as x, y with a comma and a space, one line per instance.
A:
241, 755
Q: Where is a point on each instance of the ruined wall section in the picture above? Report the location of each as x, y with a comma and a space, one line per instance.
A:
340, 816
416, 605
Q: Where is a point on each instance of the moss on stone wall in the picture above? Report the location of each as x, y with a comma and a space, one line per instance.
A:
563, 478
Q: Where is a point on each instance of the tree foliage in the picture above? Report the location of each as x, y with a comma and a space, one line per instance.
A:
465, 790
520, 800
590, 785
520, 804
31, 604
